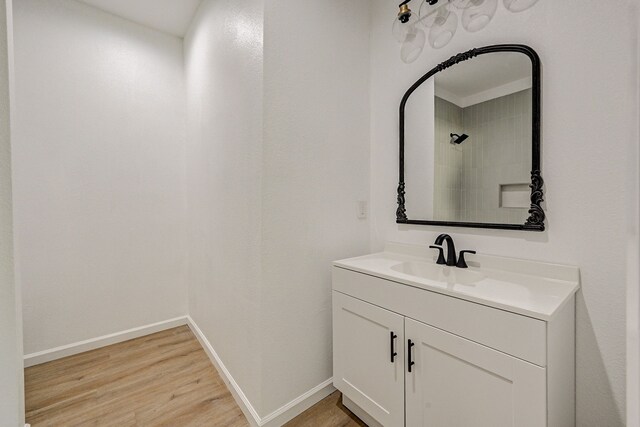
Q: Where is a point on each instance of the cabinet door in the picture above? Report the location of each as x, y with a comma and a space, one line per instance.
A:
363, 369
459, 383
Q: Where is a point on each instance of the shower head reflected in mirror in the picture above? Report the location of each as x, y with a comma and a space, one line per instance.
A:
458, 139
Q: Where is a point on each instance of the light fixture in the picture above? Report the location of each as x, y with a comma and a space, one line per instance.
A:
519, 5
413, 45
438, 17
404, 23
443, 31
479, 14
430, 16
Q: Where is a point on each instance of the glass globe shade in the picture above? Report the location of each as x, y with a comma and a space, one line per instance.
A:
400, 29
519, 5
432, 15
441, 35
478, 16
412, 46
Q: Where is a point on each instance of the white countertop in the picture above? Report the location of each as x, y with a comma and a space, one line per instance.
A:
531, 288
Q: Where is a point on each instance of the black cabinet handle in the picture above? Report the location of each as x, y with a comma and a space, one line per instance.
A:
393, 346
409, 358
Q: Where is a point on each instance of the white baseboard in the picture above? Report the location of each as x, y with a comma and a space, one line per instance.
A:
277, 417
241, 399
105, 340
359, 412
298, 405
274, 419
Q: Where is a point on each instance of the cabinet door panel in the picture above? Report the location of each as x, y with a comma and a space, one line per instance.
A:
458, 383
362, 367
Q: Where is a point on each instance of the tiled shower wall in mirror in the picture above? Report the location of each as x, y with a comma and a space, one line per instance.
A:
468, 177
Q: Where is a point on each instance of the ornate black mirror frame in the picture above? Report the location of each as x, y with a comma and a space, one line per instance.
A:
535, 222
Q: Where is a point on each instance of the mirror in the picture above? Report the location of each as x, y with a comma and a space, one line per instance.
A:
470, 142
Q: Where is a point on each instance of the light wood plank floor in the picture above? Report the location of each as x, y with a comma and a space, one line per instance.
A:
329, 412
163, 379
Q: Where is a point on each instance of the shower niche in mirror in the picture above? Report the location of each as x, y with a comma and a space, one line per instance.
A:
470, 142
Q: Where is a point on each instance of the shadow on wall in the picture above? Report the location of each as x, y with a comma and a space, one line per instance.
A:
590, 358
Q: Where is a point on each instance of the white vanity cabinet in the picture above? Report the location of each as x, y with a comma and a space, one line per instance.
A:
457, 382
368, 357
457, 361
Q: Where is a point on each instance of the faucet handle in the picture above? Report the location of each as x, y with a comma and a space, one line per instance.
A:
440, 254
461, 261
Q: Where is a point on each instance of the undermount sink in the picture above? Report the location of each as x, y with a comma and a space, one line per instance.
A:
439, 273
531, 288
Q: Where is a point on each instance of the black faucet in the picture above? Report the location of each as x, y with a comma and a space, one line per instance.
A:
451, 250
461, 261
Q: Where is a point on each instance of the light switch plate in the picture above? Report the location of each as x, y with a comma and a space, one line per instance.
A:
363, 209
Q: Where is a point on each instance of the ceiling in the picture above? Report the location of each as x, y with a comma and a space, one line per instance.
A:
169, 16
483, 73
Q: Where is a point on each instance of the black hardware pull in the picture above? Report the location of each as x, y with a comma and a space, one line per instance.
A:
393, 345
410, 362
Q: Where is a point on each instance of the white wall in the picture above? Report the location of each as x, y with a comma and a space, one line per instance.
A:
268, 205
11, 376
276, 164
589, 60
315, 169
421, 149
633, 266
448, 164
98, 173
223, 63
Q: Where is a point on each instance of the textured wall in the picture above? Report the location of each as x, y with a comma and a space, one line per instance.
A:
315, 168
277, 159
589, 120
223, 67
98, 173
632, 168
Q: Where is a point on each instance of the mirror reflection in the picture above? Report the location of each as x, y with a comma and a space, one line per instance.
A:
468, 142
